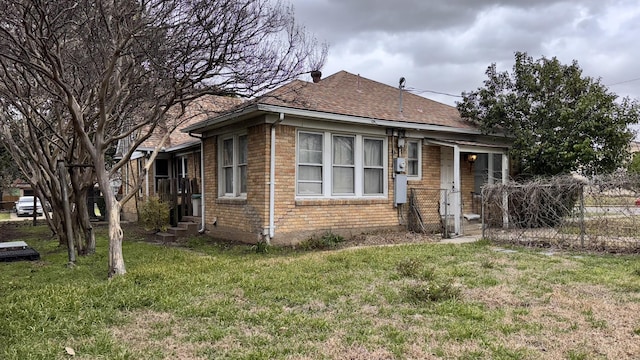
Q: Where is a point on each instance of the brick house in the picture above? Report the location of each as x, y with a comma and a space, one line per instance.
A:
178, 158
311, 157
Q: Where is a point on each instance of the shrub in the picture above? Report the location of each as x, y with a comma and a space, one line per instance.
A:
326, 241
425, 285
261, 247
154, 214
431, 291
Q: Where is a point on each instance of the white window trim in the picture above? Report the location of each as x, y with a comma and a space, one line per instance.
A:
183, 162
321, 165
384, 162
327, 166
235, 166
419, 142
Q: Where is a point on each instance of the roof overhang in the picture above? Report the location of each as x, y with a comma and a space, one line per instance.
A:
471, 146
258, 109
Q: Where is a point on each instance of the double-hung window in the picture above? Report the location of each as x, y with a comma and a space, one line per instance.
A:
182, 170
340, 165
310, 160
414, 152
373, 166
344, 165
233, 166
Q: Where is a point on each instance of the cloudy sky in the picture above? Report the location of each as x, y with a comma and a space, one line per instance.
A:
445, 46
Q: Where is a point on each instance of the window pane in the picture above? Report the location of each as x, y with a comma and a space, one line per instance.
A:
243, 179
309, 188
373, 181
310, 173
228, 180
162, 167
413, 150
343, 150
227, 152
372, 152
412, 167
310, 148
343, 182
242, 147
412, 158
310, 157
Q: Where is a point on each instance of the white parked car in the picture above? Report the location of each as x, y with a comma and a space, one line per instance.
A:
24, 206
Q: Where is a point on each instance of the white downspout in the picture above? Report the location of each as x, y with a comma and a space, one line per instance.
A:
202, 228
272, 179
457, 195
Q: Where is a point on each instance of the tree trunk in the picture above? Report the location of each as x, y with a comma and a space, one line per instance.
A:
67, 214
116, 260
84, 232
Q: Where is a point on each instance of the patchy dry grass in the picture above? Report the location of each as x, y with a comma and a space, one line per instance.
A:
218, 301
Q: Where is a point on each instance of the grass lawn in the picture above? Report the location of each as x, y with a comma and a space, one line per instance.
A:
5, 216
419, 301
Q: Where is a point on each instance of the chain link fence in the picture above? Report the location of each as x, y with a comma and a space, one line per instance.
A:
599, 213
430, 211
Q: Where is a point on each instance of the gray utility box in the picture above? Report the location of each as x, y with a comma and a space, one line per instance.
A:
400, 189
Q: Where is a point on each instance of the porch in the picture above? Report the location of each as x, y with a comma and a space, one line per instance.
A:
454, 209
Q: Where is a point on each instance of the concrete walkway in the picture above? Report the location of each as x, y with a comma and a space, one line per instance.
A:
461, 239
14, 217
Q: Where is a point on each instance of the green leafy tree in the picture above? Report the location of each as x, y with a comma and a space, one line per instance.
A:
634, 165
559, 120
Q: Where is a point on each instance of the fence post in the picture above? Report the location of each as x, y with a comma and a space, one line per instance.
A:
582, 224
482, 213
446, 214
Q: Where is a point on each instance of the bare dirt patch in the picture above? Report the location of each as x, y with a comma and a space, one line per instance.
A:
151, 331
390, 237
572, 319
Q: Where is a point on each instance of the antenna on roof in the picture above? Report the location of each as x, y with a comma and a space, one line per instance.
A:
400, 87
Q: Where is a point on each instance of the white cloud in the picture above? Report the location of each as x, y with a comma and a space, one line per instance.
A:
446, 46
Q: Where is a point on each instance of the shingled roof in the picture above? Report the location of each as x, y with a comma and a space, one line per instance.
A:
348, 94
201, 109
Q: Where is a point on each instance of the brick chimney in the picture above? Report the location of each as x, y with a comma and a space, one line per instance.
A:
316, 75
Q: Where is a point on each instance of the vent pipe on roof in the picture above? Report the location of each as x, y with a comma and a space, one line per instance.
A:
316, 75
400, 87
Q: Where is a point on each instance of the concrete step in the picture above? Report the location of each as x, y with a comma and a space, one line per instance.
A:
177, 231
165, 237
193, 219
192, 228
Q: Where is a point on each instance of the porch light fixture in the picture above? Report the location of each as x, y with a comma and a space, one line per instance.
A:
471, 158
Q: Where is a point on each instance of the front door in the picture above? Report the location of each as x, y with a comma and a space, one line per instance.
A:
447, 182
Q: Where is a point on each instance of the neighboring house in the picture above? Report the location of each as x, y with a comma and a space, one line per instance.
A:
179, 157
11, 194
312, 157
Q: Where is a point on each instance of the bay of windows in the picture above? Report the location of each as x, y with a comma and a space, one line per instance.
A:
341, 165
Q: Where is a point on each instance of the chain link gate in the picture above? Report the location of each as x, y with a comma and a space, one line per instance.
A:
430, 211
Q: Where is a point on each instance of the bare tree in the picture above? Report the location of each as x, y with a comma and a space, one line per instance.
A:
111, 70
